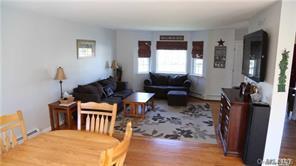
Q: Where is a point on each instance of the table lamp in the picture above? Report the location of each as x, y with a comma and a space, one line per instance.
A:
60, 75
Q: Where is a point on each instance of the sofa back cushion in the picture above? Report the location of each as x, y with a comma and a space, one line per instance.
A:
177, 80
92, 88
159, 79
110, 82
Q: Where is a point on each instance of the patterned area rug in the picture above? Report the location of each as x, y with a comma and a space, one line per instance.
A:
191, 123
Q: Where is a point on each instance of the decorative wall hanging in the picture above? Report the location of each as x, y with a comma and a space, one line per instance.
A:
283, 68
86, 48
220, 55
171, 37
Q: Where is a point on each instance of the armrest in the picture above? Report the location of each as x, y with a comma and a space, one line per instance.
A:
187, 83
121, 86
85, 97
147, 82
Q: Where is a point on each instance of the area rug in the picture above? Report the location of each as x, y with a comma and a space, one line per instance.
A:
191, 123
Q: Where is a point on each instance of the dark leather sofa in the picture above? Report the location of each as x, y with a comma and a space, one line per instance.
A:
106, 90
161, 84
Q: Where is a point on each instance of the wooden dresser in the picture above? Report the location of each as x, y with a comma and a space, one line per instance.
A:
232, 121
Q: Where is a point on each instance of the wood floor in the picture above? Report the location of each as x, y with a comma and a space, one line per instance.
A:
162, 152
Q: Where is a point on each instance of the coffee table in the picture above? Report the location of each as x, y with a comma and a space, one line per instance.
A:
138, 104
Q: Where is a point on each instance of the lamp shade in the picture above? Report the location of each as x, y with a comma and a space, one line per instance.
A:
60, 75
114, 65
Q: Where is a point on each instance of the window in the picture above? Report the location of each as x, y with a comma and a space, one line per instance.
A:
171, 61
143, 65
144, 53
197, 56
198, 66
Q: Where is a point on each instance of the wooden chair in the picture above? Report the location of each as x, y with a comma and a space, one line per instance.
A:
116, 156
8, 123
100, 117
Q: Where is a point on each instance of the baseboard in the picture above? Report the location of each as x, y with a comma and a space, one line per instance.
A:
45, 130
205, 97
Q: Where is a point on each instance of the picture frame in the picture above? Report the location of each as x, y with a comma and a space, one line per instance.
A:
85, 48
220, 57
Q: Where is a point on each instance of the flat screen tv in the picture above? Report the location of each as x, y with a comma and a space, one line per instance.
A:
255, 55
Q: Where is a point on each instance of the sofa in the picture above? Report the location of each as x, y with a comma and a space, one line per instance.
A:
161, 84
107, 90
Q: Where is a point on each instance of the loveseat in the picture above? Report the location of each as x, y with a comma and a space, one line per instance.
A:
106, 90
161, 84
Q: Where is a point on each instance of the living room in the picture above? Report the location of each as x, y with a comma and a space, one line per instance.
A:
39, 37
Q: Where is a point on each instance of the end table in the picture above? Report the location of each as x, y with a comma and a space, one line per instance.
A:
55, 109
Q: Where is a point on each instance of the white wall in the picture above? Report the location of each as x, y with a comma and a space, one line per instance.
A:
1, 57
286, 37
127, 53
35, 45
218, 78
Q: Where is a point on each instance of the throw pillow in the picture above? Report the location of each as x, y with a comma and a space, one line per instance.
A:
159, 79
111, 82
177, 80
108, 91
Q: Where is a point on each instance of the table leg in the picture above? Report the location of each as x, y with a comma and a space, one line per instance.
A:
143, 110
152, 104
69, 119
51, 119
124, 109
57, 119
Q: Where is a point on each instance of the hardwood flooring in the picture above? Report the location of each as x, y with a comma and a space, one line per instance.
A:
288, 148
162, 152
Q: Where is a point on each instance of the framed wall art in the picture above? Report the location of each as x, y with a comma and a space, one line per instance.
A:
220, 55
86, 48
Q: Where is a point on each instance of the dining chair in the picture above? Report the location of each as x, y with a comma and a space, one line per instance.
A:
8, 125
116, 156
100, 117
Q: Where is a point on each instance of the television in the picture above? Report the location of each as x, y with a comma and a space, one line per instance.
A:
255, 55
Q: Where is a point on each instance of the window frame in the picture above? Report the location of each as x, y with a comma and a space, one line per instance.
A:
138, 65
194, 67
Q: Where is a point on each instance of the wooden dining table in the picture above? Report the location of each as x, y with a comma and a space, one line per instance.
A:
60, 147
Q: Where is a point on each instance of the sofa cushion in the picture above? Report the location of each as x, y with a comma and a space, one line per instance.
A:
177, 80
109, 82
88, 89
112, 100
159, 79
123, 93
163, 89
99, 87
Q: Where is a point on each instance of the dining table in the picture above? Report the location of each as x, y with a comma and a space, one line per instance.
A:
60, 147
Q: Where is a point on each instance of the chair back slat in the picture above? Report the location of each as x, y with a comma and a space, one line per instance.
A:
8, 125
100, 117
116, 156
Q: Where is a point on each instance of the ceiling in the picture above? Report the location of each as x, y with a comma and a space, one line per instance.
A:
179, 15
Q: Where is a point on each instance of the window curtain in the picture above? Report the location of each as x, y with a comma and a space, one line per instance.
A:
171, 45
144, 49
197, 49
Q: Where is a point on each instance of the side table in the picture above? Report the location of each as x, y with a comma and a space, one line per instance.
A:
55, 109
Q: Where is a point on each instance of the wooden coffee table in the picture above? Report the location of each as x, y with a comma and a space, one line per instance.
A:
138, 103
